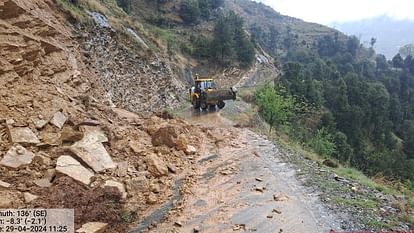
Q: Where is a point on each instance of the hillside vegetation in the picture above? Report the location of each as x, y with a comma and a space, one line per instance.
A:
356, 109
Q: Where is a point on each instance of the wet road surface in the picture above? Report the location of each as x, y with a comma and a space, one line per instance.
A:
244, 185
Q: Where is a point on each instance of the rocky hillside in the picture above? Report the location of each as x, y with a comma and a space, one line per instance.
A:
63, 143
278, 33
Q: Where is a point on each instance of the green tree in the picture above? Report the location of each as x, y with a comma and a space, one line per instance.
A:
189, 11
231, 41
397, 61
274, 106
223, 39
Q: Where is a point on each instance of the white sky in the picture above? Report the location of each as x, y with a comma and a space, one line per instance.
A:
329, 11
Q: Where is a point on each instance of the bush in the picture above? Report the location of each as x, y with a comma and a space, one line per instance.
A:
274, 106
323, 143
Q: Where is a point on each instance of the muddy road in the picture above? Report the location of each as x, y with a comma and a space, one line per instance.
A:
242, 184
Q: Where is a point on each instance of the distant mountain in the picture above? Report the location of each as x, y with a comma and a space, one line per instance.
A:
391, 34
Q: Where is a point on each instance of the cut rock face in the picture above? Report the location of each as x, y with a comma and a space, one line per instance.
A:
72, 168
91, 150
23, 135
17, 156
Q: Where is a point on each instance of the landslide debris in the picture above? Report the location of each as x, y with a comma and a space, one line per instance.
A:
63, 144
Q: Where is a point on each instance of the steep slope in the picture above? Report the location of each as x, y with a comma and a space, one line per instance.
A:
62, 142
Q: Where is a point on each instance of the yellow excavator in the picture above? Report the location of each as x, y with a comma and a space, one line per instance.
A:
204, 94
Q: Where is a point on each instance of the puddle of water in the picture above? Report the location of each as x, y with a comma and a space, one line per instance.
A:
208, 118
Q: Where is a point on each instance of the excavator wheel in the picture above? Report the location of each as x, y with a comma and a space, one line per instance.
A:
220, 104
203, 105
196, 103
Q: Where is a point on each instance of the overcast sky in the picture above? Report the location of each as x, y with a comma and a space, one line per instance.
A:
330, 11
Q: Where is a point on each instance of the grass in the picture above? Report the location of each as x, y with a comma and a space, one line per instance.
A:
377, 225
76, 12
353, 174
363, 203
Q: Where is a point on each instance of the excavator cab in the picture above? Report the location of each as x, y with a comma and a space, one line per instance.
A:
205, 94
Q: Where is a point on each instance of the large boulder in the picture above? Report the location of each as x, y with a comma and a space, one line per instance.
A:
181, 142
165, 136
91, 150
156, 166
71, 167
17, 156
22, 135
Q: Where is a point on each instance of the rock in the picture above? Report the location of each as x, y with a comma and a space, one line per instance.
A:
238, 227
22, 135
137, 147
137, 184
172, 168
72, 168
91, 150
226, 172
42, 159
181, 142
259, 179
190, 150
330, 163
156, 166
178, 224
17, 156
269, 216
155, 188
90, 122
9, 198
4, 184
93, 227
280, 197
276, 211
122, 169
58, 119
10, 122
51, 139
354, 189
196, 229
44, 182
152, 199
40, 123
28, 197
165, 136
118, 185
259, 189
69, 135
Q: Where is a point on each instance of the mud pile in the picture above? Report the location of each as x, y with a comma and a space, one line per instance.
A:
62, 142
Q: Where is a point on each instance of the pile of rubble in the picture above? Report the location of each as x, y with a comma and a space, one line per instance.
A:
133, 164
63, 144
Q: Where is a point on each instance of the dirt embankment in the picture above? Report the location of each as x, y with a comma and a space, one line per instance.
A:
62, 143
